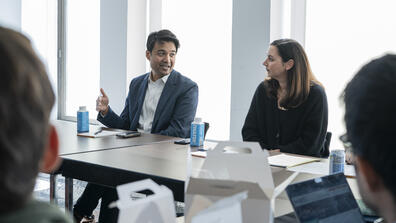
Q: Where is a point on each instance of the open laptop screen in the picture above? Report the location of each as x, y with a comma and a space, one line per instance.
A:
324, 199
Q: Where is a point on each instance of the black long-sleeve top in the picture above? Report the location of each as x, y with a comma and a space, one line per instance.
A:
300, 130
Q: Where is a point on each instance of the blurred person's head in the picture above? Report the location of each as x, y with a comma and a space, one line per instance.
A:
161, 51
287, 62
370, 118
28, 143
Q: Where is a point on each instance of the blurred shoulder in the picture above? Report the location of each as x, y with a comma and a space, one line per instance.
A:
37, 211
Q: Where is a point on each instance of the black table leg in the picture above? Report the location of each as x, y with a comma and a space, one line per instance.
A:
69, 194
53, 198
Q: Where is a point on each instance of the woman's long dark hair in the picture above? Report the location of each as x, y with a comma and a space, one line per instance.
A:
299, 78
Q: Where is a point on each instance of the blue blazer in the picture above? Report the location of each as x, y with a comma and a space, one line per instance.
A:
174, 113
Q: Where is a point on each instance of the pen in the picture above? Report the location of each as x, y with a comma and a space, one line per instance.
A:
99, 131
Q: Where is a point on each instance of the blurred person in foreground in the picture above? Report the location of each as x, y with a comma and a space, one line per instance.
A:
28, 142
370, 120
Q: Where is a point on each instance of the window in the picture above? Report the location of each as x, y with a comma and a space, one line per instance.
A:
341, 36
204, 29
82, 56
288, 20
39, 23
280, 19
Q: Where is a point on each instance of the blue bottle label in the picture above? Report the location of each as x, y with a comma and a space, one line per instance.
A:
82, 122
197, 134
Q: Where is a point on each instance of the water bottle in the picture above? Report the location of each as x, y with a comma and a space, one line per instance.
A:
197, 132
82, 120
336, 161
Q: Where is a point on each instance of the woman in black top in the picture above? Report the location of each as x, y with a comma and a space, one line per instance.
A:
289, 108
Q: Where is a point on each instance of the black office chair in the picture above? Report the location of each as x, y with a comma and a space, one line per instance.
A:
206, 128
326, 151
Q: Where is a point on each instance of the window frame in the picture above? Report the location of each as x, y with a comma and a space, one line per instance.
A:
62, 71
62, 62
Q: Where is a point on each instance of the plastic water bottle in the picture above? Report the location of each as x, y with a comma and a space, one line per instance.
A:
82, 120
336, 161
197, 132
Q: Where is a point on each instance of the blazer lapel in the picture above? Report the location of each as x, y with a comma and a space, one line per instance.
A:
169, 88
141, 94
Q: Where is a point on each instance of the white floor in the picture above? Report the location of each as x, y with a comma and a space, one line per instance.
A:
41, 190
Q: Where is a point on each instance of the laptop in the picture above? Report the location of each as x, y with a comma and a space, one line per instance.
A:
324, 199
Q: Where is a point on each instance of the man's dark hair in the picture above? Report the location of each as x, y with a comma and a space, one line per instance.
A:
26, 100
159, 37
370, 117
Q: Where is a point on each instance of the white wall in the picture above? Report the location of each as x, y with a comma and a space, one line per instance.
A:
205, 56
10, 14
288, 20
113, 51
136, 39
250, 41
123, 45
123, 41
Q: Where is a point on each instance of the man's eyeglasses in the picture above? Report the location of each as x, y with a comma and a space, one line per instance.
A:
344, 139
349, 158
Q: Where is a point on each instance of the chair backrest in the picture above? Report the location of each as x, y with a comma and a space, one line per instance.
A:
206, 128
326, 151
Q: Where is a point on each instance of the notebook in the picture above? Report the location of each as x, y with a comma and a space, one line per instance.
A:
324, 199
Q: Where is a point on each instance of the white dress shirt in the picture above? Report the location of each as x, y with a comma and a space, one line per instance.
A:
153, 94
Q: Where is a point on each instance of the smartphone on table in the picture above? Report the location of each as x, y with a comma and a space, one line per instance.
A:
183, 141
128, 134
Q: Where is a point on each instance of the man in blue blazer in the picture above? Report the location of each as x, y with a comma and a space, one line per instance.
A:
161, 102
175, 109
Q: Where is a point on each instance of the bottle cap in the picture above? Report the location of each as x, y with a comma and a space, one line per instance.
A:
196, 119
83, 108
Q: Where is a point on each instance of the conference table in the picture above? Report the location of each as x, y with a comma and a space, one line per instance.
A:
165, 163
70, 143
111, 161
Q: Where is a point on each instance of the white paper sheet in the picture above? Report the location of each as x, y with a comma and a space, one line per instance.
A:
104, 133
283, 160
201, 154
